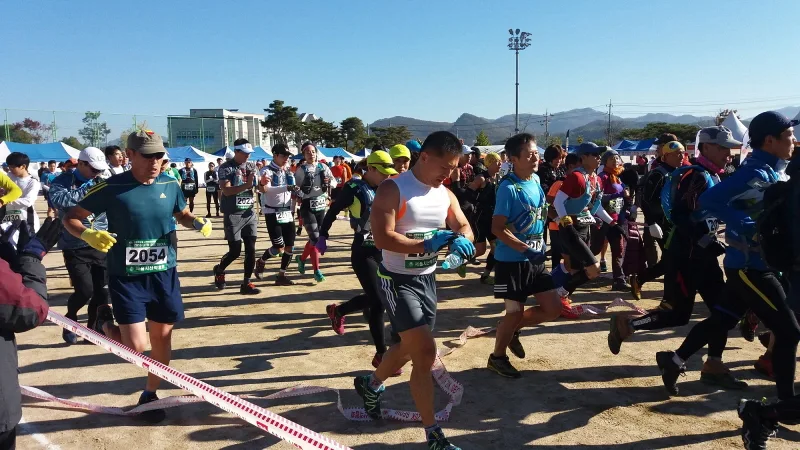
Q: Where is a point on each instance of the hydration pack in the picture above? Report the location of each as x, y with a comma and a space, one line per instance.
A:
774, 226
671, 184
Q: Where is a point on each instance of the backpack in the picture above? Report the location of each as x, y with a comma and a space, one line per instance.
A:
671, 184
774, 226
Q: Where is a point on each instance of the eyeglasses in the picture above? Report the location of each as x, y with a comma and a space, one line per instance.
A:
158, 155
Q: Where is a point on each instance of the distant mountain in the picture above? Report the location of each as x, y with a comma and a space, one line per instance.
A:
586, 122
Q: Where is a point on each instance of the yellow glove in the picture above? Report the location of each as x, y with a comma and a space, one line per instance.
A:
98, 239
203, 226
566, 221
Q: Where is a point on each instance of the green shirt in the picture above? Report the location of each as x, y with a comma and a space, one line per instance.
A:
141, 217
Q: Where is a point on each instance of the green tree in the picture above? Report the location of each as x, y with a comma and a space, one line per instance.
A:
39, 132
73, 142
16, 133
684, 132
388, 136
94, 132
482, 139
353, 130
282, 121
553, 140
601, 142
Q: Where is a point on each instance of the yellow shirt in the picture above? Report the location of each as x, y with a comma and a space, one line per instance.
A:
9, 190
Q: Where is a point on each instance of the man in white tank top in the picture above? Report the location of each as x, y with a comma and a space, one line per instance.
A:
405, 219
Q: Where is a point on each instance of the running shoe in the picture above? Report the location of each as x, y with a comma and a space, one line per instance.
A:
299, 231
249, 289
283, 280
502, 366
105, 315
462, 271
621, 286
603, 267
616, 335
371, 397
376, 361
219, 278
475, 262
154, 415
756, 430
208, 216
487, 279
261, 266
318, 276
748, 326
636, 288
437, 441
301, 265
337, 321
669, 371
69, 337
724, 380
516, 346
567, 311
764, 337
764, 366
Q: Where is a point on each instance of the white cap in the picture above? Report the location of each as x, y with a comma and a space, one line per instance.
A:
465, 150
95, 157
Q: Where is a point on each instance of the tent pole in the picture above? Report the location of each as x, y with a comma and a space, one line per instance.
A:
5, 125
202, 135
55, 128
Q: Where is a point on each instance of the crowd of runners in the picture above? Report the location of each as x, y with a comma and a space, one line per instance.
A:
543, 220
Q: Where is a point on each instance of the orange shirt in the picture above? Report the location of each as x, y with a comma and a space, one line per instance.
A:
339, 173
551, 195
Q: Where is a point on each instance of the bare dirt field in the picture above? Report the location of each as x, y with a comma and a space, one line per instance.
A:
573, 392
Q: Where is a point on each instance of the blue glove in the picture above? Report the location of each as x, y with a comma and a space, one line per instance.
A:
535, 257
463, 247
439, 239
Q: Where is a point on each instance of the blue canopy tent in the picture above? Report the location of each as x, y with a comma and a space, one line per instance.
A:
329, 153
258, 153
57, 151
625, 144
221, 152
644, 145
179, 155
363, 152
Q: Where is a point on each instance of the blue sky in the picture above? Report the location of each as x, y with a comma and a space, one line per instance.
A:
374, 59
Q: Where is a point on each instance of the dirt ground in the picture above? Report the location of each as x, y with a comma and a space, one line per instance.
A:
573, 392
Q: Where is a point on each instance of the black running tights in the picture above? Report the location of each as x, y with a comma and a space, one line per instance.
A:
235, 249
366, 269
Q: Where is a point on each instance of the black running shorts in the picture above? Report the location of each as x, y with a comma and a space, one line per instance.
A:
519, 280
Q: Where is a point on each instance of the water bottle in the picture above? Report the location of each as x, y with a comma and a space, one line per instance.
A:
289, 179
452, 261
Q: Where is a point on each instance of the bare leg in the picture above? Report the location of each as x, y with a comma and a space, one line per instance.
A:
161, 351
548, 308
505, 330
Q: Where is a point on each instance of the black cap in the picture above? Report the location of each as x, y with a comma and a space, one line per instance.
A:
476, 151
280, 149
769, 123
187, 160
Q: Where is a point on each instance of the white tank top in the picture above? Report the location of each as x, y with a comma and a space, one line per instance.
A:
422, 210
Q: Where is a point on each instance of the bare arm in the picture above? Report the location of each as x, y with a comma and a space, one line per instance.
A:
505, 235
382, 219
72, 221
185, 218
456, 219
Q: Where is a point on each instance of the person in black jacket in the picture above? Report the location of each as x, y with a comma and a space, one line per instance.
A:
23, 307
212, 188
189, 182
552, 169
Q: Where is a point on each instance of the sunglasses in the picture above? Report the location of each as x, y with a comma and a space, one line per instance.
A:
158, 155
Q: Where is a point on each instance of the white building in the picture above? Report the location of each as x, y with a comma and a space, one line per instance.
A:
212, 129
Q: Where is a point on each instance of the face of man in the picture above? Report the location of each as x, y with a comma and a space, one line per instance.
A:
188, 164
673, 159
117, 158
280, 160
783, 146
720, 156
51, 167
434, 169
145, 167
310, 153
374, 177
86, 170
241, 157
528, 159
590, 161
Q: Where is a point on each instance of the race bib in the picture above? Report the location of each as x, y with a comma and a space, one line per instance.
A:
284, 216
338, 181
188, 187
211, 189
244, 201
615, 205
146, 256
368, 240
585, 218
535, 242
12, 215
420, 260
319, 203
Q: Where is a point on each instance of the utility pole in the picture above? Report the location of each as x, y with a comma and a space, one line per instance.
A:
608, 130
546, 126
518, 41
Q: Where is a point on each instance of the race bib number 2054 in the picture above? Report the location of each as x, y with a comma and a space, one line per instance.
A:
146, 256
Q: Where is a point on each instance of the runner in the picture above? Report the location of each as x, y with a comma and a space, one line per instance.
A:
751, 284
401, 156
22, 208
658, 227
571, 162
616, 202
143, 278
483, 191
341, 173
50, 173
405, 217
277, 185
85, 265
519, 223
357, 196
315, 181
236, 180
189, 182
116, 160
212, 188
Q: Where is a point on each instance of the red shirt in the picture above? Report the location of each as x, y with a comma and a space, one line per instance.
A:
574, 184
339, 173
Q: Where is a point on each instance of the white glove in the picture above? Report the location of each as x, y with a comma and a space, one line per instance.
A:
655, 231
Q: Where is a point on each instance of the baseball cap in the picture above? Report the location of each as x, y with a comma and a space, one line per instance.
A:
244, 148
399, 151
769, 123
587, 148
146, 142
718, 135
414, 146
280, 149
476, 151
382, 161
95, 157
72, 161
187, 160
608, 154
465, 150
671, 147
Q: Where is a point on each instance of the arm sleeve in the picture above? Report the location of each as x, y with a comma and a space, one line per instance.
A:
29, 195
62, 196
22, 295
270, 189
603, 215
718, 199
95, 199
12, 191
330, 176
558, 203
343, 200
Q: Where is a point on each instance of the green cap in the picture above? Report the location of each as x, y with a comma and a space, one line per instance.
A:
146, 142
399, 151
381, 160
